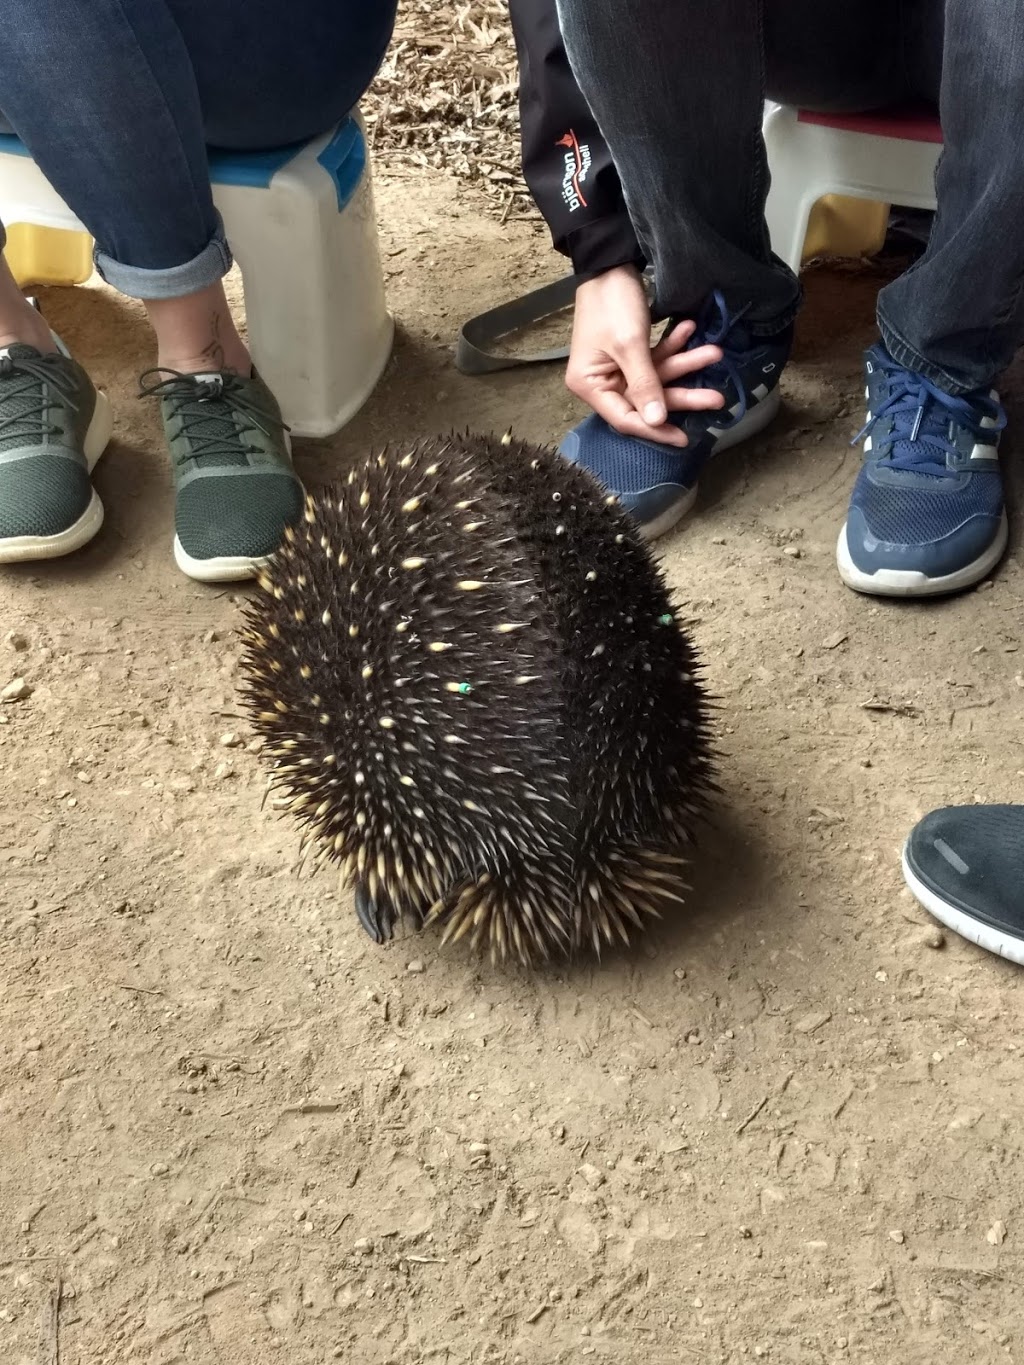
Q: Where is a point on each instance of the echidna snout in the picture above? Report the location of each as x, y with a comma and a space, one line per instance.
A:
474, 689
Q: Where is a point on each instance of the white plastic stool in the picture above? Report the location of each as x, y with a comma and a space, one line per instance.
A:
889, 157
302, 227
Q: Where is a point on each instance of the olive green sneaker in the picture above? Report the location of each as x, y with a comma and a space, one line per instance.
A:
54, 426
235, 488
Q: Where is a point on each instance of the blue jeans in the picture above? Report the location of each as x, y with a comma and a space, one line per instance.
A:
118, 99
680, 105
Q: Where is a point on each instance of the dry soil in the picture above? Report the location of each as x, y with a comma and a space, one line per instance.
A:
233, 1131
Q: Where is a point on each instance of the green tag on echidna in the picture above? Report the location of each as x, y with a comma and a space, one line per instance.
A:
477, 698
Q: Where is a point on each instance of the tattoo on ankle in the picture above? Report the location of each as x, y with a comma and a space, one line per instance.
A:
214, 352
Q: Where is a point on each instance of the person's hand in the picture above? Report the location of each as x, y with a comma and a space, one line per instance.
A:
613, 368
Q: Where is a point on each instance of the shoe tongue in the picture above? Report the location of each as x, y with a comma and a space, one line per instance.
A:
20, 403
216, 428
214, 381
20, 350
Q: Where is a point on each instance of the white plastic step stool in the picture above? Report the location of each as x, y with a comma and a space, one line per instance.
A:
889, 157
302, 227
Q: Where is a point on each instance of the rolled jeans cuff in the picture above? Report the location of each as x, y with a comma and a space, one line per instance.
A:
174, 282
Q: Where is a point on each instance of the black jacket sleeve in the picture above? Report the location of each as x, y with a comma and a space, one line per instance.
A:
566, 162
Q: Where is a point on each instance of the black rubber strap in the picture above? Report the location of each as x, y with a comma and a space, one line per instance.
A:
474, 355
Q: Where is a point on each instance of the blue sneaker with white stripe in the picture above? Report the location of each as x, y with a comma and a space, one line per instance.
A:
926, 514
657, 484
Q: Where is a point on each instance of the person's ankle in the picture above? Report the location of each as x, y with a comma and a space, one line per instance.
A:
231, 361
30, 331
196, 334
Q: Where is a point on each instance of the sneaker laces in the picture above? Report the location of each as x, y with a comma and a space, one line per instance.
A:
30, 385
207, 407
922, 418
715, 327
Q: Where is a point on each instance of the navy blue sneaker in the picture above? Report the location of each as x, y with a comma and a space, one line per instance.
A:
965, 864
926, 515
657, 484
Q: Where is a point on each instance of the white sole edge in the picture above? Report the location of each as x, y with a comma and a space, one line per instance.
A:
966, 926
907, 583
661, 526
27, 549
229, 569
755, 421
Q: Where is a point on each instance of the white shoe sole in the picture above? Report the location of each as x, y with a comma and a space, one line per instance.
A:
965, 925
25, 549
905, 583
228, 569
755, 420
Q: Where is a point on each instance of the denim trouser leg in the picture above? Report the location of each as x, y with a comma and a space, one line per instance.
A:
957, 316
677, 87
117, 100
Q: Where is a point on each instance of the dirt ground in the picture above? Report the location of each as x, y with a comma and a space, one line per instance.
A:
234, 1131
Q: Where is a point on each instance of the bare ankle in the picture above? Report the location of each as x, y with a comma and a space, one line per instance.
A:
27, 330
205, 364
197, 335
19, 321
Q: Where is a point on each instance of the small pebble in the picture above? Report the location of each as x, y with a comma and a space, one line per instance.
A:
416, 967
34, 1045
680, 973
16, 641
593, 1177
933, 937
996, 1234
230, 740
897, 1236
159, 1168
364, 1246
16, 690
793, 551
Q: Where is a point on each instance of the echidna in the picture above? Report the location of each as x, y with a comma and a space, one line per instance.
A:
474, 690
